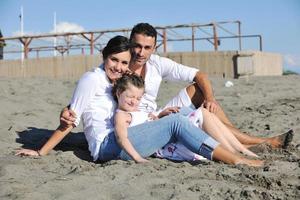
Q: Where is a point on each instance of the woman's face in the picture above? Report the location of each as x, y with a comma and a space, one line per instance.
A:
129, 99
116, 65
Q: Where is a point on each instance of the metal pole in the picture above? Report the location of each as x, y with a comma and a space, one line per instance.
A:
165, 40
54, 39
215, 37
260, 42
193, 38
92, 44
240, 39
22, 32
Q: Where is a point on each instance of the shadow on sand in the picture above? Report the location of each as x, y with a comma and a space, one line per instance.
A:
35, 138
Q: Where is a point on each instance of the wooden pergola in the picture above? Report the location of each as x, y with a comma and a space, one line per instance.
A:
95, 39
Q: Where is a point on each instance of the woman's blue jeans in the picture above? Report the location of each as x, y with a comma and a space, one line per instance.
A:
150, 136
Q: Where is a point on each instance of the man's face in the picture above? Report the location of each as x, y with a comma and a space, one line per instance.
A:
145, 46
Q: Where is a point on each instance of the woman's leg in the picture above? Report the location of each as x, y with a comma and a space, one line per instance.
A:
148, 137
210, 127
213, 126
197, 98
225, 156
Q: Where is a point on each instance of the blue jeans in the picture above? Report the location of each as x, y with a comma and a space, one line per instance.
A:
150, 136
186, 110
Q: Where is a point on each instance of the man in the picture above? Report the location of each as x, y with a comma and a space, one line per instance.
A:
154, 68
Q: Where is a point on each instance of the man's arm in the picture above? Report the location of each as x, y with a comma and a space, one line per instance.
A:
204, 84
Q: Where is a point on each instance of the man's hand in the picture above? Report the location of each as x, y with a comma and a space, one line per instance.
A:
211, 105
152, 116
67, 117
168, 111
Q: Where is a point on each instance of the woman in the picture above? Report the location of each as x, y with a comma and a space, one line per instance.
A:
93, 102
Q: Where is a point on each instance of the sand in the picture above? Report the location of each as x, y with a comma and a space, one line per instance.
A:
262, 106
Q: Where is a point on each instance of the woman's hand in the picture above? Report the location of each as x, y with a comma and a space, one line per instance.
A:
27, 152
168, 111
67, 117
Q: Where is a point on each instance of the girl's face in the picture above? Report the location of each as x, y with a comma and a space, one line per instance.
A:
129, 99
116, 65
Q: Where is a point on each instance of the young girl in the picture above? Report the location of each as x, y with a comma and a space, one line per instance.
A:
128, 92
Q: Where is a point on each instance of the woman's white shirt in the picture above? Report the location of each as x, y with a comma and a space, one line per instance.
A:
94, 104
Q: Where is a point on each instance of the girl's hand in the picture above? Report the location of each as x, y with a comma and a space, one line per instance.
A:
27, 152
141, 160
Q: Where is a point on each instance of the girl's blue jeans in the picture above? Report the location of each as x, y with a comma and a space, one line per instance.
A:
150, 136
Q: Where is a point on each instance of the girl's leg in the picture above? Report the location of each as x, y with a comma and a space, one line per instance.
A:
148, 137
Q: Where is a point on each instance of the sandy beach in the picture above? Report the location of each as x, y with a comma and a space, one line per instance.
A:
261, 106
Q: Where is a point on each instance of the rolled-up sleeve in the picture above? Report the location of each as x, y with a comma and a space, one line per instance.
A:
176, 72
83, 94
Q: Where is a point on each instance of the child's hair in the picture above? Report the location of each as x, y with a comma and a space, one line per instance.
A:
128, 78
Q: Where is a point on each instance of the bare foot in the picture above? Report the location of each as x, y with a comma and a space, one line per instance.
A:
261, 148
282, 141
251, 163
249, 152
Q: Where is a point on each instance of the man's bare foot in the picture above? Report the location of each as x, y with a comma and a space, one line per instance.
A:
261, 148
281, 141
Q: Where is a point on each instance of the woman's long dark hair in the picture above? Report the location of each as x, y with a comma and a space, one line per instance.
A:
116, 45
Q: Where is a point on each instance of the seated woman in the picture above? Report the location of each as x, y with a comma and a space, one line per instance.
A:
93, 102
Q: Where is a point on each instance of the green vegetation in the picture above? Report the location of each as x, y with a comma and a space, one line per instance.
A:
289, 72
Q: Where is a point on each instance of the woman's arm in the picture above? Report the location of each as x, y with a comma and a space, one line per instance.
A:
67, 117
121, 125
56, 137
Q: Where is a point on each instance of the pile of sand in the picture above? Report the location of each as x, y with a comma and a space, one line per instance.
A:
262, 106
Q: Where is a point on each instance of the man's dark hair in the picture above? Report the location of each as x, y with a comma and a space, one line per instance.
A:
144, 29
